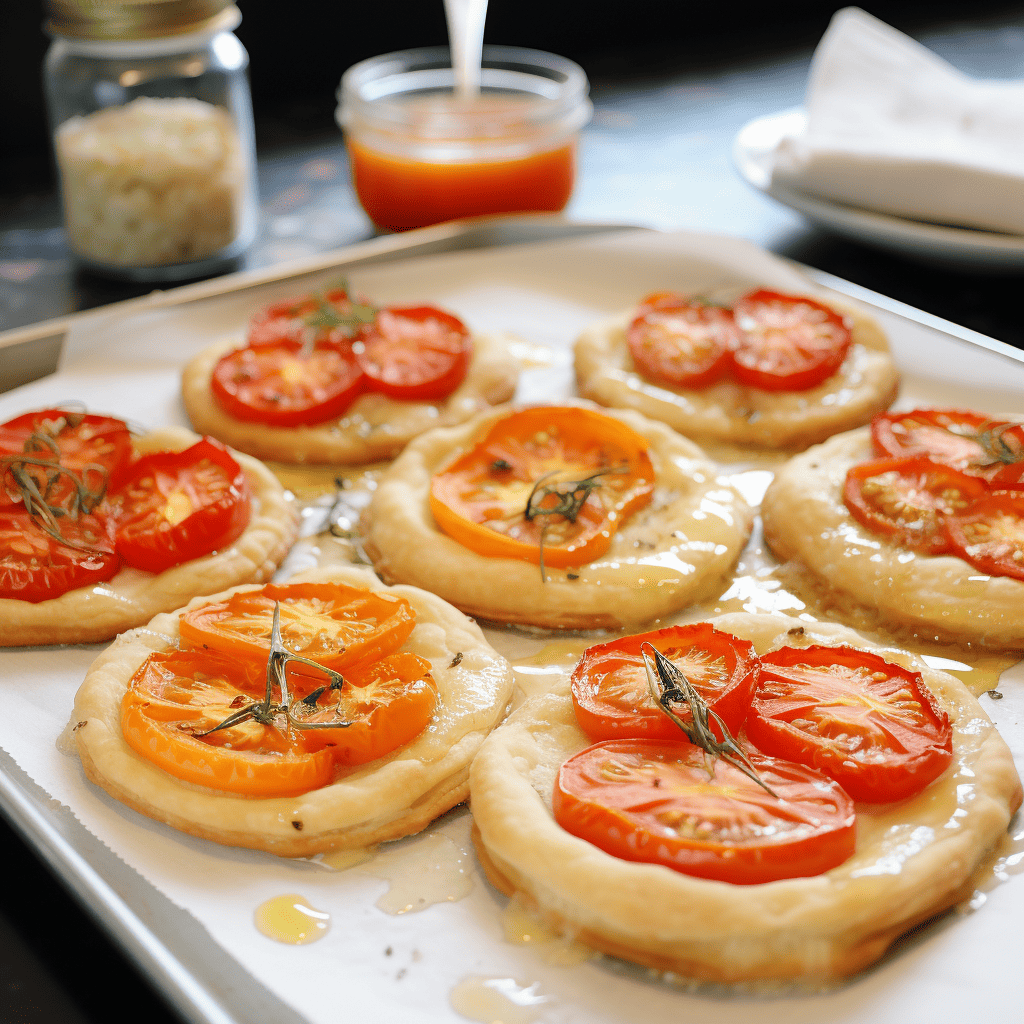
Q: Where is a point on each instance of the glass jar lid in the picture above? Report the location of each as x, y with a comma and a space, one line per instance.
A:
138, 19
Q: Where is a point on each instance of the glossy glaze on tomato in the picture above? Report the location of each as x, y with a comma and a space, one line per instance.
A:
952, 482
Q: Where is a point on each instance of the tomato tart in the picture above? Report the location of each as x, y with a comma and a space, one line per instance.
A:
358, 727
760, 867
325, 378
101, 529
916, 522
557, 516
765, 370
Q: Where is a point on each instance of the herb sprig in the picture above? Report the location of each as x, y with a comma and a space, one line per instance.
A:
668, 686
994, 445
327, 317
267, 711
571, 496
41, 482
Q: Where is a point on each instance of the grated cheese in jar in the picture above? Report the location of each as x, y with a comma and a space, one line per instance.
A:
156, 181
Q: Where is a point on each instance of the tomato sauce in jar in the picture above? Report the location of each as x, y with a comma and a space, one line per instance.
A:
421, 155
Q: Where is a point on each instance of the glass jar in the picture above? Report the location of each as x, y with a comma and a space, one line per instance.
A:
152, 128
420, 154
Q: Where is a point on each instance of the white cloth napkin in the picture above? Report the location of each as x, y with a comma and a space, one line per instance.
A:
893, 127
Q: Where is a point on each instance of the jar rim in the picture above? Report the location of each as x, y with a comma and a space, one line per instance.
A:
375, 92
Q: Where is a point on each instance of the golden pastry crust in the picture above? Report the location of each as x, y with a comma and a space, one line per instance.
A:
394, 796
133, 597
373, 428
913, 858
939, 597
729, 412
673, 553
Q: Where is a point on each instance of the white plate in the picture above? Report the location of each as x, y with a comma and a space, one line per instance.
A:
753, 152
184, 906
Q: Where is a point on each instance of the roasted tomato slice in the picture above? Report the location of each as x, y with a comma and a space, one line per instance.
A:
787, 343
318, 318
332, 624
968, 441
990, 534
685, 343
611, 694
671, 804
177, 695
872, 726
551, 483
909, 500
97, 449
36, 567
283, 385
418, 354
181, 505
381, 708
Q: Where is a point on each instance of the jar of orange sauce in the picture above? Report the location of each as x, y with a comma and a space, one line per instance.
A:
420, 154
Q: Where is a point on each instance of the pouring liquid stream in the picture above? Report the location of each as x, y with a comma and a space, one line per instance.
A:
466, 38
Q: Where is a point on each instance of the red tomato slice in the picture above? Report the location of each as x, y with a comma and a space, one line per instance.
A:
612, 697
787, 343
386, 705
181, 505
35, 567
685, 343
1008, 446
178, 694
329, 623
990, 534
416, 354
968, 441
909, 500
312, 319
279, 385
671, 804
481, 499
942, 435
872, 726
98, 449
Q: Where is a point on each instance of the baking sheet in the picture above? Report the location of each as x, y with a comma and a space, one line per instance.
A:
377, 966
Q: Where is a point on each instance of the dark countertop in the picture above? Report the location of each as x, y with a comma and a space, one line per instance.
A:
657, 154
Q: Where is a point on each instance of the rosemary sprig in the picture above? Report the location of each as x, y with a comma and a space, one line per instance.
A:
266, 711
571, 495
994, 445
668, 685
327, 317
37, 474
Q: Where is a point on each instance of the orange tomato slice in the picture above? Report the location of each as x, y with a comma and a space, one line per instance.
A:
502, 498
176, 695
330, 623
384, 707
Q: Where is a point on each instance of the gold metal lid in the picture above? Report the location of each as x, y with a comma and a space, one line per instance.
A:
138, 19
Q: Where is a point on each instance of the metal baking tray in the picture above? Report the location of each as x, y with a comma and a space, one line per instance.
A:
199, 976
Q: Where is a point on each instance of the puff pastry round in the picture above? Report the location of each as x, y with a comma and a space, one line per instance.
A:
673, 553
133, 597
728, 412
913, 858
373, 428
939, 597
392, 797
